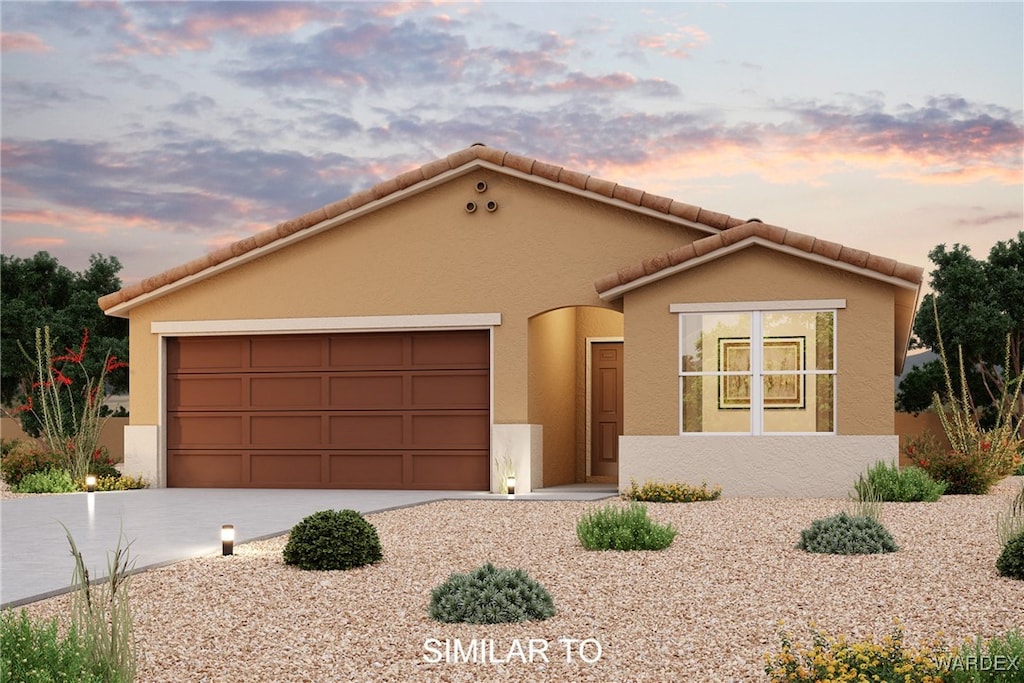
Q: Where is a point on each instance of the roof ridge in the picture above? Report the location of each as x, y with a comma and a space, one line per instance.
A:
771, 233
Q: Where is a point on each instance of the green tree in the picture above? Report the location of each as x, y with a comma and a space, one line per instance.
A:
979, 303
39, 292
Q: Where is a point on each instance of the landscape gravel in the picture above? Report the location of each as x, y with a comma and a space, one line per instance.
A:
706, 609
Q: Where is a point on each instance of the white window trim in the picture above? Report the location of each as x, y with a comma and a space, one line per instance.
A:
756, 348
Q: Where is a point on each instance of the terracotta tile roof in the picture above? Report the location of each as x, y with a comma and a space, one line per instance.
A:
786, 240
580, 182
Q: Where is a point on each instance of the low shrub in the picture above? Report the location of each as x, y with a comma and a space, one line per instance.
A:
1011, 560
623, 528
1019, 472
34, 651
1003, 658
671, 492
974, 472
333, 539
22, 457
490, 596
844, 534
118, 483
907, 485
52, 480
831, 658
1010, 522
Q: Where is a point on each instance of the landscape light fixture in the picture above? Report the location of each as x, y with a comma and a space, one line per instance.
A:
510, 484
227, 539
90, 483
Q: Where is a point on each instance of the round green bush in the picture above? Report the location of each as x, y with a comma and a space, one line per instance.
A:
53, 480
623, 528
490, 596
844, 534
1011, 560
332, 539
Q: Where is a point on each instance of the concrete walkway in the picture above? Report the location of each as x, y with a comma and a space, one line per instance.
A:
169, 525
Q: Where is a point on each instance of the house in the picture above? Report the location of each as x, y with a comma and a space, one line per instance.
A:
489, 309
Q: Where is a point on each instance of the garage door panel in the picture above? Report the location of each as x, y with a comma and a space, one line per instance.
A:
205, 430
367, 430
355, 391
451, 470
270, 469
197, 392
284, 430
367, 470
191, 469
290, 352
451, 390
451, 350
367, 351
205, 354
447, 430
288, 391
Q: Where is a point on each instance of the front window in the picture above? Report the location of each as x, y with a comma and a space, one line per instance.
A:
757, 372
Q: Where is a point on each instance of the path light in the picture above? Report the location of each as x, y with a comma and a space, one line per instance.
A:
90, 483
510, 484
227, 539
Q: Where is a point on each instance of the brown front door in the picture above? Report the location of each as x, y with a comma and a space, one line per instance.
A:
606, 408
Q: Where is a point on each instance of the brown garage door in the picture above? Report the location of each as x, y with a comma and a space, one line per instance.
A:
391, 410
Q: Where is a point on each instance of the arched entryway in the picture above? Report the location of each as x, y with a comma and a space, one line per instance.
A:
570, 351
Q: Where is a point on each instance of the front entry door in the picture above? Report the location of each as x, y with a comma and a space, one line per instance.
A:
606, 409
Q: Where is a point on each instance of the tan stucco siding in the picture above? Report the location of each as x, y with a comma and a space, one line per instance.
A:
542, 249
864, 352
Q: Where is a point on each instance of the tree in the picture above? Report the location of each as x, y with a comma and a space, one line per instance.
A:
39, 292
979, 303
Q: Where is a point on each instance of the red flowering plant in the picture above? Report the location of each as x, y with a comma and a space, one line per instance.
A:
68, 405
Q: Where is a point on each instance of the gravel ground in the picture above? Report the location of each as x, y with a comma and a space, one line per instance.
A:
706, 609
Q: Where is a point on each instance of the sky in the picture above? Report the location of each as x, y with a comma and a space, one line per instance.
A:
156, 132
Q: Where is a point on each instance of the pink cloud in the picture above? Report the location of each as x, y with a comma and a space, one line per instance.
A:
678, 44
40, 242
23, 42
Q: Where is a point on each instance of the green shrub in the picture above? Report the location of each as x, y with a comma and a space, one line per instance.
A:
973, 472
623, 528
52, 480
908, 485
333, 539
671, 492
1009, 647
831, 658
843, 534
36, 652
1011, 559
1019, 472
490, 596
22, 457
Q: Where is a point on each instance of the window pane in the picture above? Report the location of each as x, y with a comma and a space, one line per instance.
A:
702, 411
798, 403
798, 340
706, 336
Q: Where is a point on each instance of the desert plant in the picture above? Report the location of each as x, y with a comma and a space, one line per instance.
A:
22, 457
623, 528
962, 472
831, 658
865, 501
1019, 472
671, 492
1011, 560
53, 480
333, 539
844, 534
36, 651
102, 615
1011, 522
488, 595
890, 483
118, 483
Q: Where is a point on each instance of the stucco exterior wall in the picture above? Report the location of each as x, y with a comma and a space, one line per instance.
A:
552, 390
864, 329
542, 249
757, 466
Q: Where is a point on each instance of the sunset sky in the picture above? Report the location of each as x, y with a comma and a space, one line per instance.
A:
156, 132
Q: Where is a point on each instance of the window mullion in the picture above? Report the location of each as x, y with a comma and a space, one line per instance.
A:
756, 381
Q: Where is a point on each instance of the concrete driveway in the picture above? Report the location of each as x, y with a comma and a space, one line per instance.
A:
169, 525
